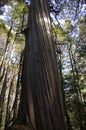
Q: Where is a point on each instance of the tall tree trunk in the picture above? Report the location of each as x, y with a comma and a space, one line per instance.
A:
68, 122
41, 101
18, 89
8, 118
3, 97
76, 88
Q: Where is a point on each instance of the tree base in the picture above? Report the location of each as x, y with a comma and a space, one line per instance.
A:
19, 127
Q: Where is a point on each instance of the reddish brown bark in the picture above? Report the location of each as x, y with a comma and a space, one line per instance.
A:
41, 101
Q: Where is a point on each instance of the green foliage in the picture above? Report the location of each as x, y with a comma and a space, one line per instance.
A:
60, 33
83, 33
3, 27
68, 26
82, 29
20, 9
74, 79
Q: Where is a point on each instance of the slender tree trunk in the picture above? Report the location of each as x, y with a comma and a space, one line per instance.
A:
40, 105
76, 88
68, 122
2, 73
3, 97
18, 88
8, 36
8, 118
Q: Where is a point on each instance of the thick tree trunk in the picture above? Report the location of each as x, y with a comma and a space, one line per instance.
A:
41, 101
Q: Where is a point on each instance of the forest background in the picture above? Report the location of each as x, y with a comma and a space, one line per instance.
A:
68, 23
